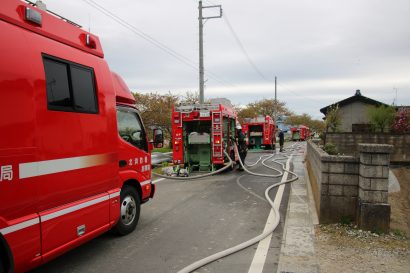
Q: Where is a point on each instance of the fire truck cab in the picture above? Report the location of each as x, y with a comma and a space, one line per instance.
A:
261, 132
74, 155
201, 134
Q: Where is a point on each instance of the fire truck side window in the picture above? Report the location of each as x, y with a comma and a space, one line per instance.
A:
130, 128
70, 87
83, 89
58, 91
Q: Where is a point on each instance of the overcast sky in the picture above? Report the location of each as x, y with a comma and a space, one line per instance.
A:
320, 50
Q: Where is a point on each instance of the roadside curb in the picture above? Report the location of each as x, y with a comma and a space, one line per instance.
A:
297, 253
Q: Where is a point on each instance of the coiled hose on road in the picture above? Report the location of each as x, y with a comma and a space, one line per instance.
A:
258, 238
198, 176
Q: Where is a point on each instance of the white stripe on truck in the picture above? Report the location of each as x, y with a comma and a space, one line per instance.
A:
73, 208
146, 182
56, 214
19, 226
33, 169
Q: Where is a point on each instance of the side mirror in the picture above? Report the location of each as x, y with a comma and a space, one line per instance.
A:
158, 138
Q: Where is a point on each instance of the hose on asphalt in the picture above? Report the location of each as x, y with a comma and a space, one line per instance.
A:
256, 239
260, 158
227, 165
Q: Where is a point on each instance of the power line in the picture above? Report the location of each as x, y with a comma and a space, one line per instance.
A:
152, 40
298, 95
239, 43
252, 63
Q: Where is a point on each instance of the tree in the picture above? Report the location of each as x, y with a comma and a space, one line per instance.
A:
401, 123
156, 110
318, 125
264, 107
305, 119
332, 120
190, 98
381, 117
245, 113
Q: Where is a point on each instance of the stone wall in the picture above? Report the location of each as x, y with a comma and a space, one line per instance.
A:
347, 143
349, 188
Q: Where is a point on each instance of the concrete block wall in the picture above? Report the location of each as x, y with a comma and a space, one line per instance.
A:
373, 210
336, 179
349, 187
314, 166
346, 143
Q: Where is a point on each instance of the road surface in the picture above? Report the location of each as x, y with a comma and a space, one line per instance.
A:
187, 221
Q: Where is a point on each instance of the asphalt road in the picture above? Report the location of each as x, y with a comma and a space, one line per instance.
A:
187, 221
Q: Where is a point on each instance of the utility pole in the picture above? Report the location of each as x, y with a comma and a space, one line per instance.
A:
276, 103
201, 19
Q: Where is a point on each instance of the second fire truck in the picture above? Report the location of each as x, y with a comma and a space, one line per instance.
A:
201, 134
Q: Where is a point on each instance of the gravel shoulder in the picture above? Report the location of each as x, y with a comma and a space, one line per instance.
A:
343, 248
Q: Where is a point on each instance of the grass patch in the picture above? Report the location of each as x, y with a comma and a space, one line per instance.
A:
398, 233
162, 150
345, 220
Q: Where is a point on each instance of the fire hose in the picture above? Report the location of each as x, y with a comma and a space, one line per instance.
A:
258, 238
199, 176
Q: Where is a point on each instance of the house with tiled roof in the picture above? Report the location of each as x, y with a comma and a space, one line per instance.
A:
353, 112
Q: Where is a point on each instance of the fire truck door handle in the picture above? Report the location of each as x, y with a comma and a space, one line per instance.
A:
123, 163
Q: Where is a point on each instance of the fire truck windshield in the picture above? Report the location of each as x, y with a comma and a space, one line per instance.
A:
130, 127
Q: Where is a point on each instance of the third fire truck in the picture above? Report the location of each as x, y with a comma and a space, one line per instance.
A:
261, 132
300, 133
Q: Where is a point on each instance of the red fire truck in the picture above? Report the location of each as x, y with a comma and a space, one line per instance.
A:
261, 132
74, 156
200, 134
300, 133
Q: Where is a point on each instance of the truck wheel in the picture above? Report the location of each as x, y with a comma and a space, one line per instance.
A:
2, 263
129, 210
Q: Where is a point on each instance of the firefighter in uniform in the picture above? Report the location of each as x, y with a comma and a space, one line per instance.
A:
281, 140
242, 147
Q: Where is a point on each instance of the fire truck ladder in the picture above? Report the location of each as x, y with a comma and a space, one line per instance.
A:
217, 148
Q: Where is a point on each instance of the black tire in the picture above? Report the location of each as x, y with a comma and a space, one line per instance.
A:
3, 261
6, 260
2, 270
129, 211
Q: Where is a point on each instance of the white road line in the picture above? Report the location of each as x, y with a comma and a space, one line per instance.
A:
158, 180
259, 258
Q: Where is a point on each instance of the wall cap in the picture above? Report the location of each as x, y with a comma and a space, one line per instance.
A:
375, 148
339, 158
325, 157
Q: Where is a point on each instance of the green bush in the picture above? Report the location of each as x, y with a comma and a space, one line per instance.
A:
330, 148
165, 164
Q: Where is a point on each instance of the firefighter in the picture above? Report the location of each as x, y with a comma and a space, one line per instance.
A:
281, 140
242, 147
